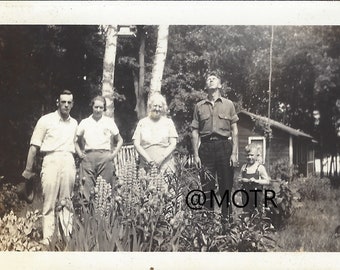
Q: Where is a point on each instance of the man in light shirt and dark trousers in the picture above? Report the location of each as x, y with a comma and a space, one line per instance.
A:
215, 142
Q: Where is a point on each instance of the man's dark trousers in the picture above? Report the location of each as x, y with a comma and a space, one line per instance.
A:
215, 158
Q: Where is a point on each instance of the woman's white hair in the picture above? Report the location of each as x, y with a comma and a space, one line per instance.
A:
157, 96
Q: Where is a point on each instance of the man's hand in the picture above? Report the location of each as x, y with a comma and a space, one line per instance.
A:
197, 161
26, 187
233, 160
27, 174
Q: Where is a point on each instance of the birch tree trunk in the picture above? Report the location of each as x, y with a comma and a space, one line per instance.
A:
159, 60
109, 69
140, 108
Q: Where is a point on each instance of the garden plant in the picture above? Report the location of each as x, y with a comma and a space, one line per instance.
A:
147, 211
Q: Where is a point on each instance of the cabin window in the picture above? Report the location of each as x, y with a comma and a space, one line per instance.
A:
260, 142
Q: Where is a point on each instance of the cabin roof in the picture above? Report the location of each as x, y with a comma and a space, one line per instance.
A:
278, 125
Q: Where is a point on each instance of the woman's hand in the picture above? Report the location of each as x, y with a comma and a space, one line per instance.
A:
153, 163
112, 156
81, 155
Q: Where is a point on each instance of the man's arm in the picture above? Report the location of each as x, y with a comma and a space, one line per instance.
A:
79, 146
234, 136
195, 141
32, 153
195, 138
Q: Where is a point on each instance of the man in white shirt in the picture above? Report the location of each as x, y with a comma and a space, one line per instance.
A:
95, 138
54, 136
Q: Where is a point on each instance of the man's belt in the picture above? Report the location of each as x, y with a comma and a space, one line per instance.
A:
46, 153
213, 137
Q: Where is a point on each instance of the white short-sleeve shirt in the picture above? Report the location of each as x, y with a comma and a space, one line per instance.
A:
53, 133
97, 134
153, 133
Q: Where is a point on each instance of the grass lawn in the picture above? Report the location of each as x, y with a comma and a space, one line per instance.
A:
315, 218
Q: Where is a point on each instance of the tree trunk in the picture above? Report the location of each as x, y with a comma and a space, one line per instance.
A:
139, 82
159, 60
335, 172
330, 172
109, 68
321, 166
327, 165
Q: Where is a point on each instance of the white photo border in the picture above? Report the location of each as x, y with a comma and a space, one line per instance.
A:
175, 13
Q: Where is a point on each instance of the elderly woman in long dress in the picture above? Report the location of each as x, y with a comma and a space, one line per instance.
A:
155, 136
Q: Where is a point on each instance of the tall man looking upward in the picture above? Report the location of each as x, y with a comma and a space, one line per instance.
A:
215, 140
54, 136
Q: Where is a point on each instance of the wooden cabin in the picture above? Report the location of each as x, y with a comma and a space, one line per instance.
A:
286, 143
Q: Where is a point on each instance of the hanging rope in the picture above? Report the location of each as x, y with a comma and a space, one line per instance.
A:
270, 72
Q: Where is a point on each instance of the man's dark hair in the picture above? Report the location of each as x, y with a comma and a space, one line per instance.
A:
64, 92
215, 73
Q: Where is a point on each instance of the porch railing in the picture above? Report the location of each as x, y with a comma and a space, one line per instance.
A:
128, 153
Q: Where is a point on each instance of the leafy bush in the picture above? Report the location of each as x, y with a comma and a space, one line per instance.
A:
283, 209
9, 199
281, 169
252, 233
204, 232
20, 234
314, 188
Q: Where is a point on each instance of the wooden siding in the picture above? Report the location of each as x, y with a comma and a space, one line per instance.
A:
278, 147
279, 144
245, 130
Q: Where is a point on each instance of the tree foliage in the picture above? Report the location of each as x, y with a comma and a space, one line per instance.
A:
36, 62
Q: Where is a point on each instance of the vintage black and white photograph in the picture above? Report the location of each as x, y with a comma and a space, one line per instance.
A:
168, 137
